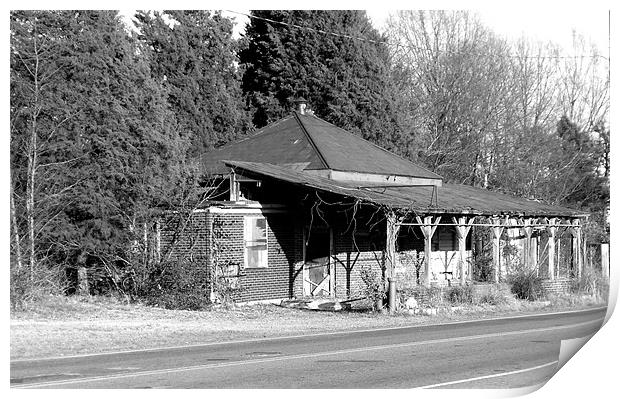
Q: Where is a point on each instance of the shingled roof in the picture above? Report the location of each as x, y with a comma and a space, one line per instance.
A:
307, 142
451, 198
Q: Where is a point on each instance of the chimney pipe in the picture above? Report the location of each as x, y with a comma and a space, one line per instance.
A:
301, 105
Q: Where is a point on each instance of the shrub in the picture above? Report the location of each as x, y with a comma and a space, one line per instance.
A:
29, 286
374, 287
460, 294
526, 285
426, 296
176, 285
495, 296
593, 283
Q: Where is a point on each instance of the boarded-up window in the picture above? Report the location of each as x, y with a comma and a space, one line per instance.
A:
444, 239
255, 236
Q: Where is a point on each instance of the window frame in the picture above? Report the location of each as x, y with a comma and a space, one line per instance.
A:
246, 220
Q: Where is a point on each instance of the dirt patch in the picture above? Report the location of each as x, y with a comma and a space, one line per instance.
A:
61, 326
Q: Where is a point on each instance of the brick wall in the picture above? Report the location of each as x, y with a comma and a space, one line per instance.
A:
350, 257
224, 232
557, 286
273, 281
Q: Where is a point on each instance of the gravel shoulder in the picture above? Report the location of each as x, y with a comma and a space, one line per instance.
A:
60, 326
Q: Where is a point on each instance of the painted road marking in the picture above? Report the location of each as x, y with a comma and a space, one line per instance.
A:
321, 334
443, 384
300, 356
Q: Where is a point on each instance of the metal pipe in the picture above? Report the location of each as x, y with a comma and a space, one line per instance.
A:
392, 294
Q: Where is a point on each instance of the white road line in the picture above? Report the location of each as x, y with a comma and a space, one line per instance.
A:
443, 384
321, 334
300, 356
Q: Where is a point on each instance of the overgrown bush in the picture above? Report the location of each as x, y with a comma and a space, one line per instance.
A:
374, 287
426, 296
460, 294
496, 295
177, 285
593, 283
27, 286
526, 285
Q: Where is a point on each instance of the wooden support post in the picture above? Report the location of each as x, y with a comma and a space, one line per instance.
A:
605, 260
392, 228
332, 264
558, 257
497, 231
552, 230
462, 230
527, 247
428, 228
577, 259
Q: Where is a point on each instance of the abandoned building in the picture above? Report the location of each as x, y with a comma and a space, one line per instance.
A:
302, 206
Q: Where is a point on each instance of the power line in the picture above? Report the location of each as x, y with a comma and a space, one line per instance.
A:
416, 47
310, 29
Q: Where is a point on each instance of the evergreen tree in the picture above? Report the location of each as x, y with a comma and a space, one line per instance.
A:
345, 80
193, 55
107, 148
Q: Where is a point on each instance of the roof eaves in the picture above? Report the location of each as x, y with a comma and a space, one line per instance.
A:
310, 140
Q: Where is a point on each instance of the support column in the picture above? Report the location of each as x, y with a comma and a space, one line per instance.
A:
428, 228
552, 229
527, 247
605, 261
332, 264
462, 230
392, 228
496, 231
577, 258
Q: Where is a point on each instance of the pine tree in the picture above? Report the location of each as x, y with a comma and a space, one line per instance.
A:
193, 55
107, 145
345, 80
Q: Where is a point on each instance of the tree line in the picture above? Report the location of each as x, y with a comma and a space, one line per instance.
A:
107, 119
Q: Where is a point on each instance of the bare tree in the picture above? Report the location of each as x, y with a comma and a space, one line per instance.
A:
455, 86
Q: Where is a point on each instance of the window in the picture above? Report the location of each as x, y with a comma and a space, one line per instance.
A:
255, 237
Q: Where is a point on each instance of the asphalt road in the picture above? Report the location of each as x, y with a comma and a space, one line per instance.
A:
499, 353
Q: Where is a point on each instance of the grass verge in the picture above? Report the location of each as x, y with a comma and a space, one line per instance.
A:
61, 326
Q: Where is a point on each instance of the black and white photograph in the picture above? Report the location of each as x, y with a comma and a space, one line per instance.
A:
308, 198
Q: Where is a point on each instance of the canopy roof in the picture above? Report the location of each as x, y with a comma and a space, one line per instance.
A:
451, 198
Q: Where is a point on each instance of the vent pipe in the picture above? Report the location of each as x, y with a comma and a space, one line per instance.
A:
301, 105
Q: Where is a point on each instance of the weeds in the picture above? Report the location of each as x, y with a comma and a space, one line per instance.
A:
526, 285
460, 294
373, 285
495, 296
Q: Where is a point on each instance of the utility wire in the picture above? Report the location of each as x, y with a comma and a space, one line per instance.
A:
398, 45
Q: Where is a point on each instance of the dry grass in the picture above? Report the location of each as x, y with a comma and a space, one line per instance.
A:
65, 326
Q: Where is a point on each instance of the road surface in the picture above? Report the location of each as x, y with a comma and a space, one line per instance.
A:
496, 353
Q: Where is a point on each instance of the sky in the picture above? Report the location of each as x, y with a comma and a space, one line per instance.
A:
552, 24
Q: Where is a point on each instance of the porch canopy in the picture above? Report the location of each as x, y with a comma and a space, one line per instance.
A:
446, 199
426, 205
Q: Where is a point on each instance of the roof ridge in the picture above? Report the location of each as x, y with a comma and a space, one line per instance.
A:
375, 145
310, 139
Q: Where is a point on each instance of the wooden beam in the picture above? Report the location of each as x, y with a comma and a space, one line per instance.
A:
462, 230
332, 264
527, 244
391, 234
605, 261
428, 228
577, 258
552, 230
496, 231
